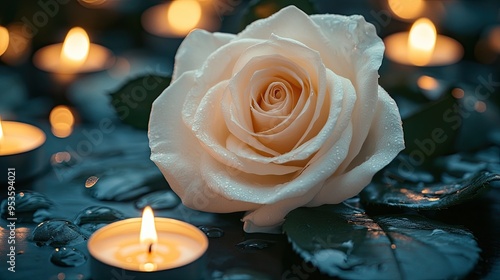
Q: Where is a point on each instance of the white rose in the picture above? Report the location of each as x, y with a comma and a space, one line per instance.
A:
287, 113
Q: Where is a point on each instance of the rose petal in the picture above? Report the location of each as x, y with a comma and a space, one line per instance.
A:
215, 69
358, 55
341, 105
215, 137
299, 127
179, 165
382, 145
348, 45
333, 141
190, 56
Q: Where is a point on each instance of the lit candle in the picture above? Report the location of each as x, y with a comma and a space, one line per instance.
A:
148, 248
422, 46
75, 55
20, 149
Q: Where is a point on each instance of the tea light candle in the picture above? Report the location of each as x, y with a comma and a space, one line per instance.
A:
148, 248
75, 55
422, 46
20, 148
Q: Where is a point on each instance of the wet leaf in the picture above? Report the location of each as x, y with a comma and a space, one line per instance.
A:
430, 196
133, 101
345, 242
258, 9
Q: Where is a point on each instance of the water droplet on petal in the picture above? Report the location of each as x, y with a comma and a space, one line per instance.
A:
67, 257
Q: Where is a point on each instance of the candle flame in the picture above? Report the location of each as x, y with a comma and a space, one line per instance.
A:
4, 39
148, 234
421, 42
184, 15
62, 121
75, 49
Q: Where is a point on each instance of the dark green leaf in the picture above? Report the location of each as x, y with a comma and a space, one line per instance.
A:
133, 100
345, 242
258, 9
427, 196
432, 131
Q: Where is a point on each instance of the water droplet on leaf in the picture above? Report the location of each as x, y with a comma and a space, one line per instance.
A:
27, 203
212, 232
95, 217
57, 233
255, 244
91, 181
67, 257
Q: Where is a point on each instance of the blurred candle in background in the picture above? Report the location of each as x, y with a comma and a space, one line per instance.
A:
75, 55
62, 121
421, 42
177, 18
407, 9
75, 49
18, 45
422, 46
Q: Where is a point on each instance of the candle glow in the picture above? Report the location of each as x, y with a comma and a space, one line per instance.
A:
177, 18
421, 41
61, 121
406, 9
184, 15
75, 48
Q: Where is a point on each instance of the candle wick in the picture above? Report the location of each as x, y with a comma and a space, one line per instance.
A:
150, 248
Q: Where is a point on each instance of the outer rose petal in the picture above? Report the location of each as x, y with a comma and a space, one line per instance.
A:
359, 52
385, 140
195, 49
